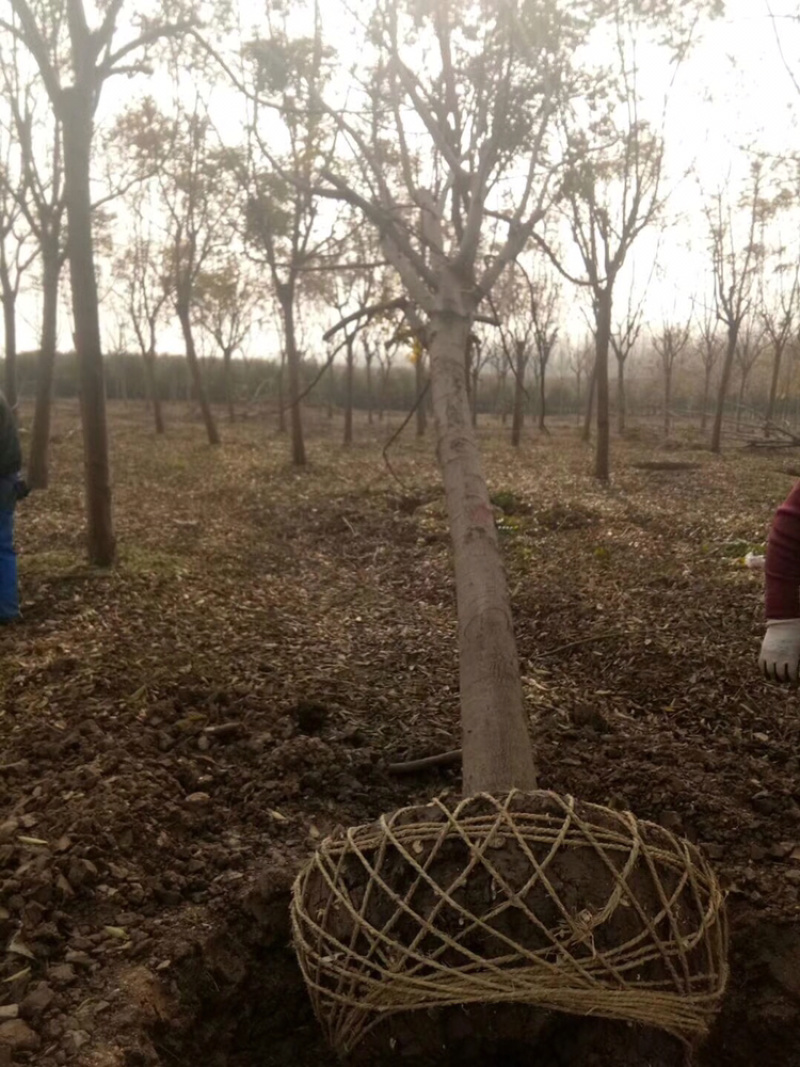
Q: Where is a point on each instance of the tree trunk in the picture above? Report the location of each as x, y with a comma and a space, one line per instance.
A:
773, 386
474, 397
77, 108
348, 393
587, 419
198, 385
10, 338
725, 378
286, 297
497, 753
39, 452
151, 384
621, 412
419, 378
603, 342
519, 396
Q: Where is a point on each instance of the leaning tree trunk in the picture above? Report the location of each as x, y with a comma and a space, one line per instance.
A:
77, 109
286, 297
39, 452
519, 395
497, 753
9, 300
603, 343
419, 379
198, 386
151, 384
727, 368
348, 393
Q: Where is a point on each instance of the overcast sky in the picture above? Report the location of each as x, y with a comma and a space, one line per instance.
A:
732, 96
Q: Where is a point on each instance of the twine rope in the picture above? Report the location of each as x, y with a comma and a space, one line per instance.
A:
359, 969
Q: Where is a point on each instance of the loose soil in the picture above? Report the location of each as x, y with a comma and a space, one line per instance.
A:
180, 731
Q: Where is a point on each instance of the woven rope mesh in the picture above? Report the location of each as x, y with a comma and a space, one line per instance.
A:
530, 898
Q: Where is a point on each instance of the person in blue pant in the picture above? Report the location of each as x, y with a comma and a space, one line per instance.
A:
12, 489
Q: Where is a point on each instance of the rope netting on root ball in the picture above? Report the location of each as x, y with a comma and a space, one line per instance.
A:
528, 899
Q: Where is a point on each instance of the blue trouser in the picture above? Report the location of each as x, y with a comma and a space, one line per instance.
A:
9, 596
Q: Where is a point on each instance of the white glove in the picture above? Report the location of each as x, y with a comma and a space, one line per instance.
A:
780, 650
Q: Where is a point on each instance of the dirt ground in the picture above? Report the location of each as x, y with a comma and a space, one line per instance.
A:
179, 732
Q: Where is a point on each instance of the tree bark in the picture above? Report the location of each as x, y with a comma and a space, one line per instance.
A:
725, 378
151, 383
286, 297
497, 753
77, 109
39, 452
198, 386
348, 394
603, 342
518, 416
474, 395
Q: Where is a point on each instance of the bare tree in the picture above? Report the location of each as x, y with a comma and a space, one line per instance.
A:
736, 261
779, 316
513, 304
473, 66
40, 199
611, 195
545, 310
580, 359
16, 256
623, 341
709, 347
670, 344
94, 59
139, 274
282, 222
750, 346
226, 305
478, 357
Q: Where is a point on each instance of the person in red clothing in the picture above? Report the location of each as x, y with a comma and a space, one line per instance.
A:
780, 649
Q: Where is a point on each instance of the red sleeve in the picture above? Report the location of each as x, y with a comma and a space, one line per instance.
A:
782, 599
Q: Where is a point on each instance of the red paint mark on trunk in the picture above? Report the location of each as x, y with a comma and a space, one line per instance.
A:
482, 515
